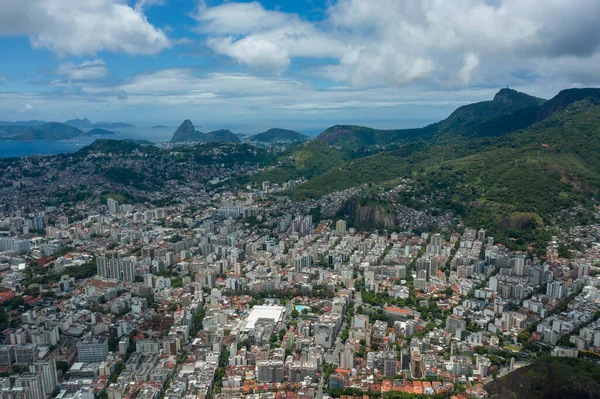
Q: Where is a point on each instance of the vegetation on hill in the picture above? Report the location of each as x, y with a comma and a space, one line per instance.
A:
116, 146
508, 112
551, 378
514, 182
276, 135
306, 160
226, 153
221, 136
488, 118
356, 137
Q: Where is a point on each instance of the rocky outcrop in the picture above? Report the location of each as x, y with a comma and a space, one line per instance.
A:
370, 214
184, 132
187, 132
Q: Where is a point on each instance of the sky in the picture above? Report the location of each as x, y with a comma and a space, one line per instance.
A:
297, 64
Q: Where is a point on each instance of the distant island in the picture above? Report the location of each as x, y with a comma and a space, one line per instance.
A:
47, 131
85, 123
159, 127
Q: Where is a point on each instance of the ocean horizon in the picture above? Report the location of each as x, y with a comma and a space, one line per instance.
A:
17, 149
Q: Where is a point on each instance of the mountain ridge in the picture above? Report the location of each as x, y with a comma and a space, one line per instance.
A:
85, 123
47, 131
517, 182
186, 132
465, 119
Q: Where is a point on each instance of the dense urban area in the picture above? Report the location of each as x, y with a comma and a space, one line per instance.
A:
136, 275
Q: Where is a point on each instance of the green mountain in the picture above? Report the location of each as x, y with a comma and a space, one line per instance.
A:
306, 160
510, 110
186, 132
357, 137
278, 135
47, 131
551, 378
512, 182
488, 118
221, 136
567, 141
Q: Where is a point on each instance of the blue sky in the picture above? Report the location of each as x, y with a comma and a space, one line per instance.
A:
299, 64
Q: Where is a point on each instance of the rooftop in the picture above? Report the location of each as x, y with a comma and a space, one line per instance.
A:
274, 313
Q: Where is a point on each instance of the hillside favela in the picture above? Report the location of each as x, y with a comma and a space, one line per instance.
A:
307, 199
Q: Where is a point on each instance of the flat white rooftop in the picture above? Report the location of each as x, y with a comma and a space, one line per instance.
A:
274, 313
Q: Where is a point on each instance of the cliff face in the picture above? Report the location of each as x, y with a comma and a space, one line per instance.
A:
553, 378
184, 132
370, 214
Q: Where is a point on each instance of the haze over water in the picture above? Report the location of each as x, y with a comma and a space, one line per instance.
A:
10, 149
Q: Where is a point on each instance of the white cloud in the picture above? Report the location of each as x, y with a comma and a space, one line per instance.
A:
217, 100
465, 73
262, 38
82, 27
141, 4
240, 18
3, 79
223, 93
94, 69
254, 51
439, 42
26, 108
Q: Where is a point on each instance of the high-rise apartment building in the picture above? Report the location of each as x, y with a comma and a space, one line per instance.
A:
340, 227
122, 269
92, 349
47, 369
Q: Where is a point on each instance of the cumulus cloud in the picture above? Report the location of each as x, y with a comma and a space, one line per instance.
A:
262, 38
401, 42
240, 18
82, 27
465, 73
94, 69
26, 108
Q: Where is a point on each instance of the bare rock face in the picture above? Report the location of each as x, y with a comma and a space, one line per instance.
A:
365, 213
184, 131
